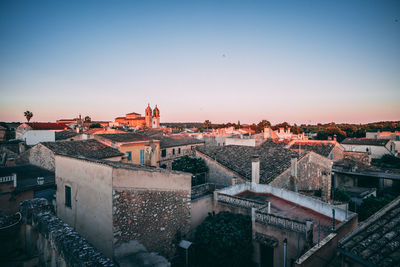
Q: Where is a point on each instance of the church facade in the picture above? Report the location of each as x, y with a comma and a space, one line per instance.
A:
135, 120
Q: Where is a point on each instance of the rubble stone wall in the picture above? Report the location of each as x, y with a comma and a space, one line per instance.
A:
156, 218
41, 156
310, 170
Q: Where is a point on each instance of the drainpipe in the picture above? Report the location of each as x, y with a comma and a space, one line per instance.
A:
284, 252
15, 179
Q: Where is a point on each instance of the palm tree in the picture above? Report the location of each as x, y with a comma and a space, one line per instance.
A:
207, 124
28, 115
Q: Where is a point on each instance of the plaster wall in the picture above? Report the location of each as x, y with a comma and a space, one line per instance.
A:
296, 243
240, 142
35, 136
200, 208
376, 151
91, 196
217, 173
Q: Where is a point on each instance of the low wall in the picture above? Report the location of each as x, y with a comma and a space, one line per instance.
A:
321, 255
57, 243
302, 200
200, 207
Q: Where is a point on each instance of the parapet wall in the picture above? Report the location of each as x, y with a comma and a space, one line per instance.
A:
57, 243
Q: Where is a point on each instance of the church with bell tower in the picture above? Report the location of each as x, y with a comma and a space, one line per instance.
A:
151, 119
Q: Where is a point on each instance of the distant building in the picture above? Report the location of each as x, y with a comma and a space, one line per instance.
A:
135, 120
375, 147
3, 131
394, 136
35, 132
282, 134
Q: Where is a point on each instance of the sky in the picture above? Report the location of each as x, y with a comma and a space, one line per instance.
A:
296, 61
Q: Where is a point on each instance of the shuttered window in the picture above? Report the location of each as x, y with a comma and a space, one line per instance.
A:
67, 196
141, 156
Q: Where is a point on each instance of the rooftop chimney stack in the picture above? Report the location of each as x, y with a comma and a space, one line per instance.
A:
255, 169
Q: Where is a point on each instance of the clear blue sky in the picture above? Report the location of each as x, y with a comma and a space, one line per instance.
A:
295, 61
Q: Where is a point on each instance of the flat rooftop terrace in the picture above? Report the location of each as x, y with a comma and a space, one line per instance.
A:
290, 210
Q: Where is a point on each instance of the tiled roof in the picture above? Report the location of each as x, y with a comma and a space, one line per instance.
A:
376, 242
324, 149
274, 159
47, 126
86, 148
65, 135
133, 113
103, 131
125, 137
365, 141
166, 141
135, 119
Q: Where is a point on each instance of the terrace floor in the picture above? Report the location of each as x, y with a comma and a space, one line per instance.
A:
283, 208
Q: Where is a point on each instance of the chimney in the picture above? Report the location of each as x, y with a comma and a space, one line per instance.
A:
293, 172
326, 187
21, 147
255, 169
334, 137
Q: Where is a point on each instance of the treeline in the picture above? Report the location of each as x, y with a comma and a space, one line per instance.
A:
319, 131
323, 131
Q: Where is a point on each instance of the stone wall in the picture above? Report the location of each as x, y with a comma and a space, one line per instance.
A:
362, 157
310, 169
40, 156
158, 219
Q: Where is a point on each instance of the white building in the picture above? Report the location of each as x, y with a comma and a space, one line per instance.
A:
375, 147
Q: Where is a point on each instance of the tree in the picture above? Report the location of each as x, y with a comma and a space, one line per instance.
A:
28, 115
371, 205
196, 166
95, 125
261, 125
207, 124
87, 119
224, 239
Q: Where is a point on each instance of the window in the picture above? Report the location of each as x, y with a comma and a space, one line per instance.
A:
128, 155
179, 150
163, 153
68, 196
191, 148
141, 156
173, 151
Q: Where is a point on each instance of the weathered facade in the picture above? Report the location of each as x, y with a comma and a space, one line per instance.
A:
279, 167
126, 202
